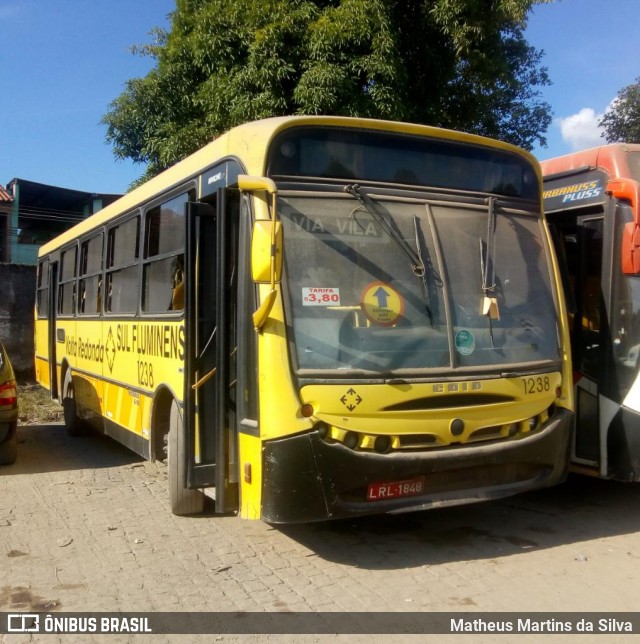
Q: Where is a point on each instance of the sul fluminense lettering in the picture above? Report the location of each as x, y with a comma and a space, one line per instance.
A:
163, 341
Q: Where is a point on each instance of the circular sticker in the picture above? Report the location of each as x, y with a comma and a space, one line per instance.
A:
465, 342
382, 304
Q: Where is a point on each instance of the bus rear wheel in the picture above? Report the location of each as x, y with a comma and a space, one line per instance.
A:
75, 425
182, 500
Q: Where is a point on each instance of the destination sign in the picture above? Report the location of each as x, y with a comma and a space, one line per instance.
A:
573, 191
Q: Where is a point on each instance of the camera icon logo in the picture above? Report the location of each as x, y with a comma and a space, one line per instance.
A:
23, 623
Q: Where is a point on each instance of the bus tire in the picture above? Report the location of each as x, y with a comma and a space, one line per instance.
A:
183, 501
9, 448
75, 425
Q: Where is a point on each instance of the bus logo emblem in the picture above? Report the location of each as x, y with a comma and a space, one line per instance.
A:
110, 350
351, 399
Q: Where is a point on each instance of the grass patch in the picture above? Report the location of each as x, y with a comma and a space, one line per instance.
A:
35, 405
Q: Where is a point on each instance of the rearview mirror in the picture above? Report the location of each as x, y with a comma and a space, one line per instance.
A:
263, 250
266, 246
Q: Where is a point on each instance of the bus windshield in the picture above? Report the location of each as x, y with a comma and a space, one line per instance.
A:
394, 285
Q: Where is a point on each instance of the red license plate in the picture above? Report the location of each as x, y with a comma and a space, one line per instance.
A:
396, 489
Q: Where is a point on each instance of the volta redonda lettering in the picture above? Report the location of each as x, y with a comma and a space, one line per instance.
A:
85, 348
153, 340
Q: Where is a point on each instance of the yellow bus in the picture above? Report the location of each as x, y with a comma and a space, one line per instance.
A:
319, 317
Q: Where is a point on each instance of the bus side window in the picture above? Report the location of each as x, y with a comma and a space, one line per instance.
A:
163, 273
91, 275
122, 286
42, 301
67, 287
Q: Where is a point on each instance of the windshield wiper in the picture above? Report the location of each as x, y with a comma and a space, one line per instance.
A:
489, 306
417, 262
422, 251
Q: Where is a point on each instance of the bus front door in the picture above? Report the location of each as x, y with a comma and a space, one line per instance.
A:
207, 322
583, 249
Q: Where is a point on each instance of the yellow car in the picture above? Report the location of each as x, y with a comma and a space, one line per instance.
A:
8, 411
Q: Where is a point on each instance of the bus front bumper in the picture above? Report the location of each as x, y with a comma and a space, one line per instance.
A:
306, 478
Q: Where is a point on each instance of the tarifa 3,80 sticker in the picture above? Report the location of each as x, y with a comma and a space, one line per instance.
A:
320, 296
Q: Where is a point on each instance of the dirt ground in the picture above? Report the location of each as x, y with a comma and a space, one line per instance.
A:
84, 526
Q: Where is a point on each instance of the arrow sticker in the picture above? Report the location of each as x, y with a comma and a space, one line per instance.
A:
382, 296
382, 304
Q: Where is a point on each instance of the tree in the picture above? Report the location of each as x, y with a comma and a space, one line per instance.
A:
621, 122
461, 64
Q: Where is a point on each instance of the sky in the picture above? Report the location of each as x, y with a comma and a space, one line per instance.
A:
63, 62
591, 53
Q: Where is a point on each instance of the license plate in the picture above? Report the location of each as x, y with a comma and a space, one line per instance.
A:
395, 489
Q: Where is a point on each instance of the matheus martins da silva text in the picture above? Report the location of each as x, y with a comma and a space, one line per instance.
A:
528, 625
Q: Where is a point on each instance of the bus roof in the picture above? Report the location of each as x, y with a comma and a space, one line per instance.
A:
611, 158
249, 143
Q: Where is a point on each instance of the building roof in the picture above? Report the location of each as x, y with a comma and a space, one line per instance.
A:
53, 197
5, 197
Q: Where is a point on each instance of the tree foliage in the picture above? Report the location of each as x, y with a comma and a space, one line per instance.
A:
461, 64
621, 122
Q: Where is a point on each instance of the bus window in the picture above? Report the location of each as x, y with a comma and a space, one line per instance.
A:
164, 256
67, 288
90, 275
122, 267
42, 298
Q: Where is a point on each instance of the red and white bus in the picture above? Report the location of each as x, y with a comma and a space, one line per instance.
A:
592, 203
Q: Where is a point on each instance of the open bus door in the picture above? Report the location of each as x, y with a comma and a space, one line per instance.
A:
207, 418
589, 346
579, 241
576, 206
